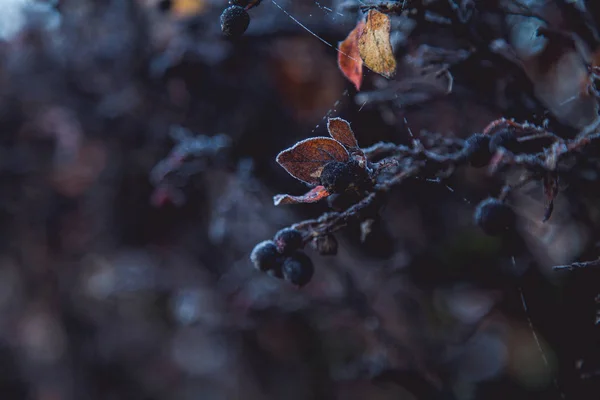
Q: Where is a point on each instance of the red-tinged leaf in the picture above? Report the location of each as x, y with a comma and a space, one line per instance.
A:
349, 59
340, 130
306, 159
550, 192
316, 194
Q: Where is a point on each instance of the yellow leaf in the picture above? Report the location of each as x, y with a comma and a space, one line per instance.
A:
374, 45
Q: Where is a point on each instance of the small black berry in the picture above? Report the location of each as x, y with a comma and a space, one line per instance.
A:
234, 21
288, 240
298, 269
326, 245
265, 256
241, 3
165, 5
494, 217
505, 138
477, 150
337, 177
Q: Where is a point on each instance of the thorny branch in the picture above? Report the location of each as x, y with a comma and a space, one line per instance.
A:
419, 162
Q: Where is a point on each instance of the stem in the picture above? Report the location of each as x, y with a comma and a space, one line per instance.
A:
577, 265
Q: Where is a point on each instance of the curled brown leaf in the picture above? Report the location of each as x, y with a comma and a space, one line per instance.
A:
306, 159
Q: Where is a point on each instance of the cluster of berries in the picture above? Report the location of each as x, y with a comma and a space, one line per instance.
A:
480, 147
338, 177
283, 257
235, 18
492, 215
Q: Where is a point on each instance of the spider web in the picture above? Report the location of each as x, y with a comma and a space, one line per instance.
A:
439, 181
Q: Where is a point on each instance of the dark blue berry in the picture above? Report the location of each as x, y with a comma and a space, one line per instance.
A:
234, 21
298, 269
241, 3
288, 240
337, 177
494, 217
265, 256
165, 5
477, 150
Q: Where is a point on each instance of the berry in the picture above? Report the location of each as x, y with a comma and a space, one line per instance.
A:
234, 21
477, 150
241, 3
505, 138
494, 217
337, 177
265, 256
298, 269
326, 245
165, 5
288, 240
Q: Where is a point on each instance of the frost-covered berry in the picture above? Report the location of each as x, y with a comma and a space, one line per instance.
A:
337, 177
505, 138
265, 256
298, 269
241, 3
477, 151
494, 217
234, 21
288, 240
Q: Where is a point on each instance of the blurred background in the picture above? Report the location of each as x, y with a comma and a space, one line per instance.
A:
137, 169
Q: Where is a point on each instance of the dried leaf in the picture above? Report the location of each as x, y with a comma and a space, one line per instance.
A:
375, 47
349, 60
340, 130
314, 195
550, 191
306, 159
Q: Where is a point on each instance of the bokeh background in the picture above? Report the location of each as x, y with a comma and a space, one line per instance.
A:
125, 274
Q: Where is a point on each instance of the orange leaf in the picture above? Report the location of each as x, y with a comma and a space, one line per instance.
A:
306, 159
314, 195
375, 47
340, 130
349, 59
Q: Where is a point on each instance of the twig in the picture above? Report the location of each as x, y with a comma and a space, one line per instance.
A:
577, 265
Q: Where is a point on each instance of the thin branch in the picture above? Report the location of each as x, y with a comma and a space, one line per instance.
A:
577, 265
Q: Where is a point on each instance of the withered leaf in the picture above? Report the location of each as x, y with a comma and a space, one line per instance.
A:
550, 192
375, 47
315, 194
306, 159
340, 130
349, 60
